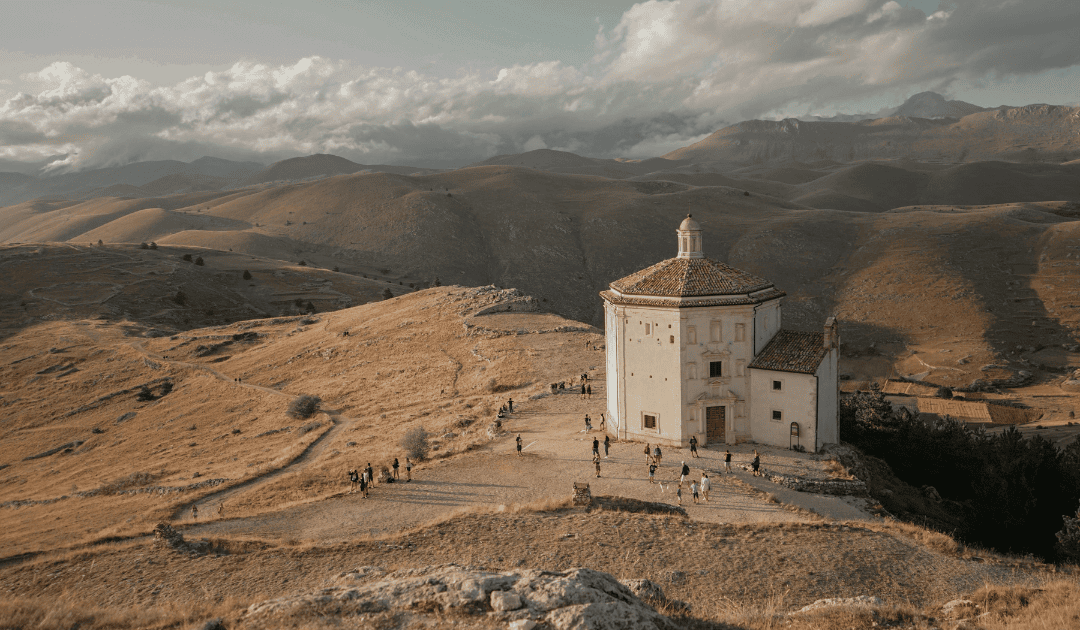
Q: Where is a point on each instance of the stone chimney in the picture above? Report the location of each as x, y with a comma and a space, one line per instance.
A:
832, 334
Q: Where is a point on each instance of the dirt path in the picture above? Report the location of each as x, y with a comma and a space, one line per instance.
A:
208, 504
556, 453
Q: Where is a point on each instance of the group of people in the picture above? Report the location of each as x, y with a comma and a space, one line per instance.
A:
364, 479
588, 423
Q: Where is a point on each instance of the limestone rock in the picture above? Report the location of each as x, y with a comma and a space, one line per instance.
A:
567, 600
522, 624
644, 589
861, 600
958, 606
505, 600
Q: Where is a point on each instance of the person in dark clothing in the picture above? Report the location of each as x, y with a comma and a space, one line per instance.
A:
684, 474
510, 406
596, 461
364, 485
756, 464
370, 474
396, 468
588, 423
588, 391
354, 478
693, 446
519, 445
595, 447
607, 445
583, 391
603, 422
657, 455
652, 472
727, 461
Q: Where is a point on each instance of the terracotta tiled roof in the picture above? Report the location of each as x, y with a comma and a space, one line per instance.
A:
791, 351
690, 277
719, 300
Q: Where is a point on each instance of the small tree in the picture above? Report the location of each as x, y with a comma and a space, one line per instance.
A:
304, 406
310, 308
944, 392
1068, 539
336, 270
180, 297
144, 394
302, 263
416, 444
438, 282
387, 294
199, 261
143, 246
186, 257
247, 275
153, 245
100, 242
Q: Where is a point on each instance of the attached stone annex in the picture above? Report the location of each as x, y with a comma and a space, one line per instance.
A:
695, 348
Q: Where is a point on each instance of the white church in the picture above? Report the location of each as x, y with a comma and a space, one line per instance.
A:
695, 347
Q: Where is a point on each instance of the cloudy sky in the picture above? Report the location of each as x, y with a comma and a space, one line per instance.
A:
449, 82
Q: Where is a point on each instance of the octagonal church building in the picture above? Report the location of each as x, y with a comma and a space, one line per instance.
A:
696, 347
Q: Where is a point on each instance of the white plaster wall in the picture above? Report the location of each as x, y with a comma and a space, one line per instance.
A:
767, 320
828, 431
651, 363
612, 349
797, 400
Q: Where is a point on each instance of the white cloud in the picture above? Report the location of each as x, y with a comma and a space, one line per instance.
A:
667, 74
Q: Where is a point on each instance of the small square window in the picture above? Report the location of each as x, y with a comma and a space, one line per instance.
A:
671, 338
777, 386
777, 416
716, 369
650, 422
648, 329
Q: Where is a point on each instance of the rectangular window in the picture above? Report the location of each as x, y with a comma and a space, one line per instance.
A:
777, 386
777, 416
740, 332
648, 329
671, 338
714, 331
691, 334
650, 422
716, 369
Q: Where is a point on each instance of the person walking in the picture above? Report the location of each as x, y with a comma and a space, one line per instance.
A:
583, 391
354, 479
694, 491
678, 494
408, 468
364, 485
370, 475
596, 462
648, 454
683, 474
395, 465
727, 461
705, 485
588, 392
596, 448
693, 446
588, 423
510, 406
607, 445
519, 445
756, 464
603, 423
652, 472
195, 512
657, 455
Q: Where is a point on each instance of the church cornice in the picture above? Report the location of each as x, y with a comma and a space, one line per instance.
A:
758, 297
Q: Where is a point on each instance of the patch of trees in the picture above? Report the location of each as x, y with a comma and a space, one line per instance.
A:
416, 444
1009, 492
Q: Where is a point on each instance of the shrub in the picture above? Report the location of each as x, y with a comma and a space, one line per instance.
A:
302, 263
309, 308
438, 282
247, 275
944, 392
1068, 539
186, 257
304, 406
416, 444
143, 246
144, 394
387, 294
336, 270
180, 298
199, 261
100, 242
166, 388
153, 245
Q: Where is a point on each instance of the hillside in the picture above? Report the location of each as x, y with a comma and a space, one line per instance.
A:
965, 248
570, 163
276, 518
321, 165
1033, 133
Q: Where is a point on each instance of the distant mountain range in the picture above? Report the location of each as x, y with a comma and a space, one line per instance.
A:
170, 177
925, 128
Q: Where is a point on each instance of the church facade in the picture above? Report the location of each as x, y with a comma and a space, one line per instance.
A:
695, 347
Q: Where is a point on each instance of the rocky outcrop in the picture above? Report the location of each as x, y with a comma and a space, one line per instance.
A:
577, 599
